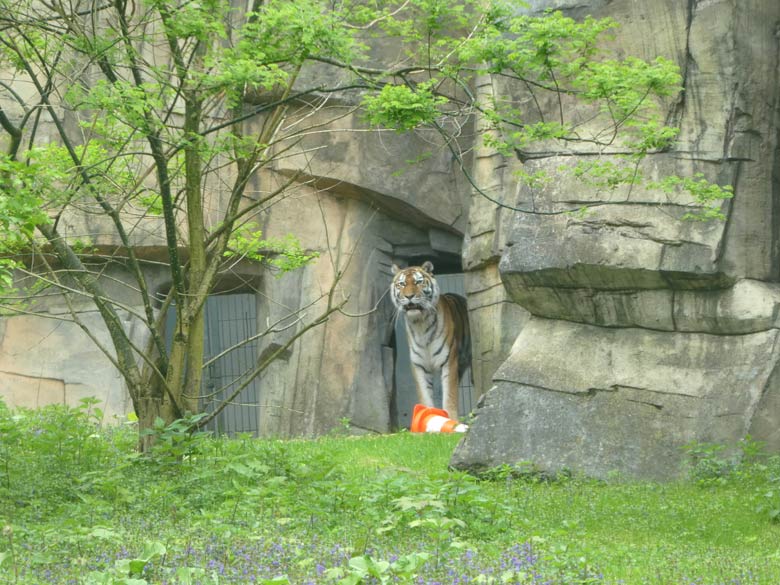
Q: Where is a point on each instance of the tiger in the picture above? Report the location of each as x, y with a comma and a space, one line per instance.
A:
437, 327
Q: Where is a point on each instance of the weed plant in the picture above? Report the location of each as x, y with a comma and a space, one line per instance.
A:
79, 506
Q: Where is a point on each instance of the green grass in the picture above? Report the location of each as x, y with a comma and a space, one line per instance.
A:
78, 505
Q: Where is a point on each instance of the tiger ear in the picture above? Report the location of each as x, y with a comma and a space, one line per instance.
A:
395, 269
427, 266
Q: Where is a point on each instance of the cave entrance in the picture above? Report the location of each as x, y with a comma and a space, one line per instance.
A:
450, 277
231, 320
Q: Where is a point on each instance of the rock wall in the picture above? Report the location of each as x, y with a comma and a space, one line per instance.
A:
46, 358
363, 206
495, 320
360, 203
649, 332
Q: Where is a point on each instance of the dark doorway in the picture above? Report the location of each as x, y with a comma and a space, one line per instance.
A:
405, 391
231, 319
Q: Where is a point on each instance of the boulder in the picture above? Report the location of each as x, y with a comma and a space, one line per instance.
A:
601, 400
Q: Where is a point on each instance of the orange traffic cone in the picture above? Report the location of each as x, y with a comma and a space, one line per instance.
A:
427, 419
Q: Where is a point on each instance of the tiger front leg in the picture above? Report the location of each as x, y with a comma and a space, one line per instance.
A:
423, 379
449, 385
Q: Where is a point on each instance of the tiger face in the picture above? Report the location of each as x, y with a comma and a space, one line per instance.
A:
414, 290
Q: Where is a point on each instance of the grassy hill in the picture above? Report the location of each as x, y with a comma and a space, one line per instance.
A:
79, 505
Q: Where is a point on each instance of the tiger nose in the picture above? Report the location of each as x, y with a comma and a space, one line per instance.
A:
409, 297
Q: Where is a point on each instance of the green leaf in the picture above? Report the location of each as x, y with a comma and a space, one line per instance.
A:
284, 254
281, 580
403, 108
153, 550
102, 533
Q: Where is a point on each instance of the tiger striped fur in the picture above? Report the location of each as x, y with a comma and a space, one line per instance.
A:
437, 327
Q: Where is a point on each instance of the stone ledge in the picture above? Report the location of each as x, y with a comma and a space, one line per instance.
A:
749, 306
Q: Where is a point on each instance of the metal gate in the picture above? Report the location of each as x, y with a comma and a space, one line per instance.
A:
230, 320
405, 390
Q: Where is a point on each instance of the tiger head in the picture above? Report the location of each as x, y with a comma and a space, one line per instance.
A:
414, 290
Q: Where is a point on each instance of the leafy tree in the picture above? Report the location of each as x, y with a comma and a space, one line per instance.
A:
135, 111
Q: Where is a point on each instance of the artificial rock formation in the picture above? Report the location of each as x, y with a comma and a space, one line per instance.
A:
649, 332
360, 205
609, 338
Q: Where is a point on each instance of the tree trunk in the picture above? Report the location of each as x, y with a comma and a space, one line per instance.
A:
149, 409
